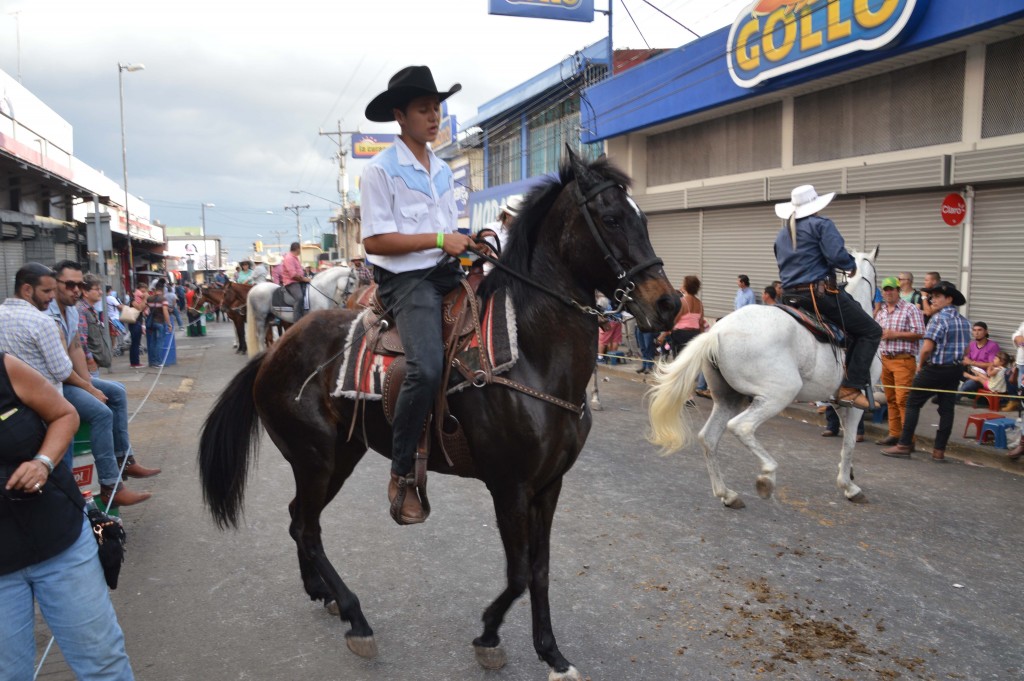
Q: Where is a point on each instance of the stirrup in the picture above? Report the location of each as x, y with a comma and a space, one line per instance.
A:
407, 484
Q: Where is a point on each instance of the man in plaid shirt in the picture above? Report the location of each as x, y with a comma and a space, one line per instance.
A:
939, 368
902, 328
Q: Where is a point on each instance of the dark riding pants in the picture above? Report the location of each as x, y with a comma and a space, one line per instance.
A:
938, 377
864, 332
415, 303
295, 290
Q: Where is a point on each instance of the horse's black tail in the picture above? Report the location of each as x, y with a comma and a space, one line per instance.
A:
228, 442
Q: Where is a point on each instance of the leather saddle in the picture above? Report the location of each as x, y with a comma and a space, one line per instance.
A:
823, 332
281, 298
460, 323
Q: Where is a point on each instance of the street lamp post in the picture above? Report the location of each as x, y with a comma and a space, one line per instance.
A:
121, 68
202, 227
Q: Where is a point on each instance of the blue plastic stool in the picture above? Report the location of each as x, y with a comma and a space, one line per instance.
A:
998, 428
881, 414
617, 357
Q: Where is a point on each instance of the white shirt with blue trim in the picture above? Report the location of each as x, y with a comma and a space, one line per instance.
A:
400, 195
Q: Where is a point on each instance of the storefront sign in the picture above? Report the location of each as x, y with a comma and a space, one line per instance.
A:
566, 10
460, 174
368, 146
774, 37
954, 209
446, 133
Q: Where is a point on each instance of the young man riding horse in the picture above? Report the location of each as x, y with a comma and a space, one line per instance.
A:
808, 249
409, 220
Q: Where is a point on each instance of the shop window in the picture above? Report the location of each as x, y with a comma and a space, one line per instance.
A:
913, 107
1003, 112
503, 160
738, 143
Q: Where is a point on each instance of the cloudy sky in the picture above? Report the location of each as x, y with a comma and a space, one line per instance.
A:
229, 106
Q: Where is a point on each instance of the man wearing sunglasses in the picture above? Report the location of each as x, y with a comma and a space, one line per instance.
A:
104, 404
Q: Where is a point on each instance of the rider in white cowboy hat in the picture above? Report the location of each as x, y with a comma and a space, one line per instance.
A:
260, 273
507, 213
358, 261
809, 249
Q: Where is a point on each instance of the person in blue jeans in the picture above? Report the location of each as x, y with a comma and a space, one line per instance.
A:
50, 555
645, 341
832, 427
108, 421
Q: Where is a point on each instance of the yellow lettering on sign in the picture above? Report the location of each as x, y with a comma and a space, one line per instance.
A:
748, 54
837, 28
809, 38
873, 19
773, 52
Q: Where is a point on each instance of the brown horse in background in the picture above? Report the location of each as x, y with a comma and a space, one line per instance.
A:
231, 301
576, 234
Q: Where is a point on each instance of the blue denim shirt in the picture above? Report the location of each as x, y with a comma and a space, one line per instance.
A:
820, 249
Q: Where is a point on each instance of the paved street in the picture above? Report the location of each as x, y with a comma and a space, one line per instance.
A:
651, 577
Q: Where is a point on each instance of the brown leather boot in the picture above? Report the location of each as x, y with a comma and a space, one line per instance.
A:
135, 469
405, 502
851, 397
122, 497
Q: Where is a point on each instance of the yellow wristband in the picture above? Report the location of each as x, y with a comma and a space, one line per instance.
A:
440, 239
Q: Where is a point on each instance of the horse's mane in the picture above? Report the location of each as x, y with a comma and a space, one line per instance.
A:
525, 229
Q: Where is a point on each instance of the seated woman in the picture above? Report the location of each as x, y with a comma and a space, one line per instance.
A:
50, 555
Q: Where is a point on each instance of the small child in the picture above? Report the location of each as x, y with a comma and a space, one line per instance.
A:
994, 379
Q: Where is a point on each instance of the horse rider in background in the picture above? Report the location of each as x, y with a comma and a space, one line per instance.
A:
294, 279
809, 249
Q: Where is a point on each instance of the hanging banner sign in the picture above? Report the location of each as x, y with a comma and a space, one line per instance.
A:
368, 146
447, 132
773, 37
566, 10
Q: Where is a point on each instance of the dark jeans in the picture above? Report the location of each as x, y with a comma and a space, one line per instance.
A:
415, 303
136, 332
645, 341
295, 290
680, 339
945, 377
864, 334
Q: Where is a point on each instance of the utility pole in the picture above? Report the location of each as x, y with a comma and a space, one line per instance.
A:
298, 223
342, 231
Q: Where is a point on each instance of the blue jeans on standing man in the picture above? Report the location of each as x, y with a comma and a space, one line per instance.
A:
135, 329
75, 602
645, 341
108, 424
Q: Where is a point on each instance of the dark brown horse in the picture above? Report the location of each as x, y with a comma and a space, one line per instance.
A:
576, 234
231, 300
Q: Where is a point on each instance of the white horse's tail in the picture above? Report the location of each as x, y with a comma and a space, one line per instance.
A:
670, 429
252, 337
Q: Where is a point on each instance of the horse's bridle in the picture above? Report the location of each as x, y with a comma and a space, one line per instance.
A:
625, 277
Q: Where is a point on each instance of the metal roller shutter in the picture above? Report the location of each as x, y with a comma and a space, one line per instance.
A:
676, 240
12, 257
846, 213
912, 236
736, 241
64, 252
995, 296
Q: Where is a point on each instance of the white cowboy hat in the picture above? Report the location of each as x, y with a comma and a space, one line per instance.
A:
257, 259
358, 253
511, 205
805, 201
273, 259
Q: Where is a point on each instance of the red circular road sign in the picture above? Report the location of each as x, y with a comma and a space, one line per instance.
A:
954, 209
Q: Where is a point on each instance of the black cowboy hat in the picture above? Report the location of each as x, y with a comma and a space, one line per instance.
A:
947, 289
407, 84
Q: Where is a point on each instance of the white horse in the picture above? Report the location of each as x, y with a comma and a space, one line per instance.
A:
762, 353
327, 290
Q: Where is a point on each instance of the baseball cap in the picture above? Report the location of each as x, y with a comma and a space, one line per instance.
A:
890, 281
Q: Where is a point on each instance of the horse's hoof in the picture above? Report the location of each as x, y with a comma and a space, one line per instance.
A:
363, 646
332, 608
568, 675
859, 498
765, 487
735, 504
490, 657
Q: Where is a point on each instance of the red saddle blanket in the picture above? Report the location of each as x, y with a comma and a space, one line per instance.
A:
366, 373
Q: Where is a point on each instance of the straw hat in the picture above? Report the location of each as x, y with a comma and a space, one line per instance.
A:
273, 259
511, 205
804, 201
